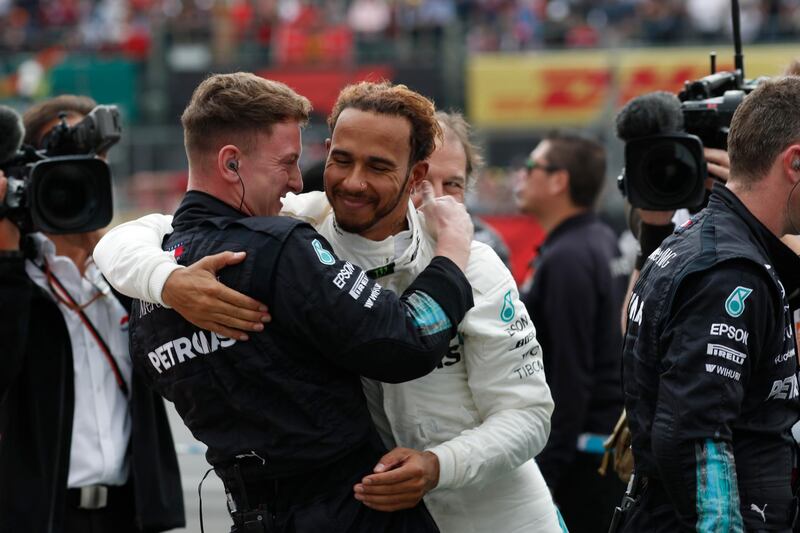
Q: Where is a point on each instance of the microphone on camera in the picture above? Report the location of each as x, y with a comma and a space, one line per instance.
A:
650, 114
11, 133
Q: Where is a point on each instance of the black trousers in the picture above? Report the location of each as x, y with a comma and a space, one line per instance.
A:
319, 501
116, 517
585, 498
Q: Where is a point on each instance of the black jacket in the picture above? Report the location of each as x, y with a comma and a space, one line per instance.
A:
291, 394
36, 407
710, 375
575, 302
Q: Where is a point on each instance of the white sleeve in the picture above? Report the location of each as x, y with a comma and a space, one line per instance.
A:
506, 377
131, 258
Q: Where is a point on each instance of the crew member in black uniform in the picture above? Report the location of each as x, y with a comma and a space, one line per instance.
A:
574, 299
283, 415
710, 358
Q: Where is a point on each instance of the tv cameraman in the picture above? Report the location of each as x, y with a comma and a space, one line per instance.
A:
84, 446
710, 361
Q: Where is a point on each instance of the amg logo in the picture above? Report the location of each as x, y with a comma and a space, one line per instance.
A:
343, 275
784, 389
358, 286
183, 348
662, 257
726, 353
724, 372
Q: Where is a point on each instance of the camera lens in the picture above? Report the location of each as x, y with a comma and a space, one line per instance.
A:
64, 196
70, 194
669, 168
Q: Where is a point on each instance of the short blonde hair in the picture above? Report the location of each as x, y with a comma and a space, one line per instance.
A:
235, 104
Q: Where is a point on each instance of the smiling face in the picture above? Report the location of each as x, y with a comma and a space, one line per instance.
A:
447, 170
367, 174
270, 169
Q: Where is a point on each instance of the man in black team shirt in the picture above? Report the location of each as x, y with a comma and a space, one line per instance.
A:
284, 415
574, 300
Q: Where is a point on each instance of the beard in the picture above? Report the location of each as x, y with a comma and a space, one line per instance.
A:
352, 222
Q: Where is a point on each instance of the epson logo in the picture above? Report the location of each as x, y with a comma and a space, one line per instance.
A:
343, 275
724, 330
184, 349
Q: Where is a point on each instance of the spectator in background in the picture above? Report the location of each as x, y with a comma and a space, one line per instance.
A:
369, 17
575, 298
453, 168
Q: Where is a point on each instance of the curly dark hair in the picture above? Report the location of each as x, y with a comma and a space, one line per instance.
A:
388, 99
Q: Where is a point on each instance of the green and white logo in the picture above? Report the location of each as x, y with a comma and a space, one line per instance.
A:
507, 312
325, 257
734, 305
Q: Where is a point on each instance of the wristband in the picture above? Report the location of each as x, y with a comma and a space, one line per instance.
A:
650, 238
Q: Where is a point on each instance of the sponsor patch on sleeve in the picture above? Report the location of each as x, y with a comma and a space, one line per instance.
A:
734, 304
507, 312
324, 256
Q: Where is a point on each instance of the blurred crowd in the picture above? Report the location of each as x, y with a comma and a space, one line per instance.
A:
491, 25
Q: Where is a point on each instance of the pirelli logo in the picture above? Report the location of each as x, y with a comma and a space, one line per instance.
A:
724, 352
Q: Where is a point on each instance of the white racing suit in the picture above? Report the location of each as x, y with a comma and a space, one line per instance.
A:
485, 412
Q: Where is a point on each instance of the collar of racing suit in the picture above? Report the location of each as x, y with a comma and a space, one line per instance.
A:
368, 254
784, 260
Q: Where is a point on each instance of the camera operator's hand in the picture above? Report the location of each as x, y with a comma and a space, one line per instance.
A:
9, 233
719, 165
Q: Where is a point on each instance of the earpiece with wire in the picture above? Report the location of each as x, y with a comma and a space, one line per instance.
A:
234, 166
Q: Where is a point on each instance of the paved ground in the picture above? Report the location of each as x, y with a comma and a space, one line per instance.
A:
193, 465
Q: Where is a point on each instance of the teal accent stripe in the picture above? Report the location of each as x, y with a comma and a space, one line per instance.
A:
428, 315
592, 443
561, 522
717, 489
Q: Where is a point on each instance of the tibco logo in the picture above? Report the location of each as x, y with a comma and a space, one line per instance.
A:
183, 349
